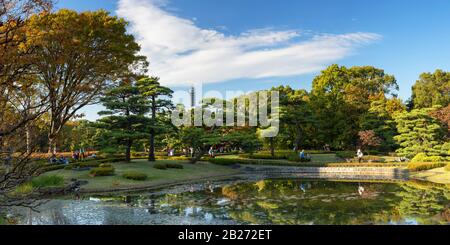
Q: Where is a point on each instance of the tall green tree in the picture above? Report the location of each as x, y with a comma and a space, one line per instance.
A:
296, 119
159, 100
125, 119
339, 97
431, 89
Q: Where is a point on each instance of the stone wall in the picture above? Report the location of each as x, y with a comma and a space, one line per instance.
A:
333, 172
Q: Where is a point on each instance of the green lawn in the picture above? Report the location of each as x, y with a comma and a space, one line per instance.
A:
156, 177
437, 175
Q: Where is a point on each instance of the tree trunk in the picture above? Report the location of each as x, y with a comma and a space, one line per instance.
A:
128, 151
199, 155
272, 147
51, 145
151, 153
298, 140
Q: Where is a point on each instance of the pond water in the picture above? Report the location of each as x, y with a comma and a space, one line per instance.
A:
267, 201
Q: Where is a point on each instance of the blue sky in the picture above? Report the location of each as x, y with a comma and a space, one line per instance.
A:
405, 38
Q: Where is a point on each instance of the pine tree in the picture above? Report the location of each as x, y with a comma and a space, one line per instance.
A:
125, 121
418, 133
158, 98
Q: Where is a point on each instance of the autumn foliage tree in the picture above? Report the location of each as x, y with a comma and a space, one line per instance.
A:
78, 54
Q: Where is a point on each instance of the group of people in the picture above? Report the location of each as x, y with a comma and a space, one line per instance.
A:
78, 155
58, 160
304, 157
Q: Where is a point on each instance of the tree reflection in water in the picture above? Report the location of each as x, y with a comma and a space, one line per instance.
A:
270, 201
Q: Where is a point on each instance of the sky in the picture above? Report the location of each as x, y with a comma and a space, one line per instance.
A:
249, 45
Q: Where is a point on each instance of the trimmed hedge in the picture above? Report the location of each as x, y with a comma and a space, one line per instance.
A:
52, 167
108, 171
133, 175
229, 162
163, 166
279, 155
422, 157
421, 166
447, 168
160, 166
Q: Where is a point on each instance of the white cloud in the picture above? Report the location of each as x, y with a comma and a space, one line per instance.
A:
182, 53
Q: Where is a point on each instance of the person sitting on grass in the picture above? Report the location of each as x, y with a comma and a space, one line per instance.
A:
53, 159
308, 157
302, 154
62, 160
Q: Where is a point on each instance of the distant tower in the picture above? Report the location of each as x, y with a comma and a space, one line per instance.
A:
192, 93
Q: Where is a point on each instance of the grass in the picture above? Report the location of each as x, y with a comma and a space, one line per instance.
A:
48, 181
437, 175
154, 176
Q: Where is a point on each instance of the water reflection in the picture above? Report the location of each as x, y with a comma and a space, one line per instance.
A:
270, 201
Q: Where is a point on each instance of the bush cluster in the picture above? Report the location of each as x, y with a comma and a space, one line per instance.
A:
447, 168
51, 167
105, 171
163, 166
133, 175
422, 157
47, 181
421, 166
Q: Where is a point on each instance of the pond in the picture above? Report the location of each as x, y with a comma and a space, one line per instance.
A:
266, 201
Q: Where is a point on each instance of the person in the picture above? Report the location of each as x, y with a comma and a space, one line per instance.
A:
211, 152
308, 157
53, 159
63, 160
302, 187
302, 154
81, 153
360, 155
360, 190
171, 152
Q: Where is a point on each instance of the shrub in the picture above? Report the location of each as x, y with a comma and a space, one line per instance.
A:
161, 166
52, 167
88, 164
111, 160
105, 165
178, 158
373, 159
47, 181
102, 172
447, 168
134, 176
164, 166
422, 157
223, 161
23, 189
174, 165
421, 166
